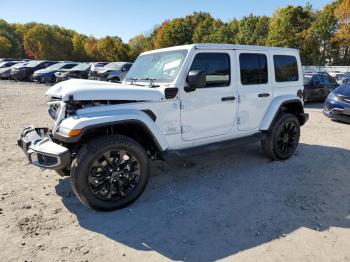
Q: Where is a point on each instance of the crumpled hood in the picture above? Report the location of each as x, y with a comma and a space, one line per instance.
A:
98, 90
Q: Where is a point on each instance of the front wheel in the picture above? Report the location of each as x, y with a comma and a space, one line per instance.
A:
110, 172
283, 137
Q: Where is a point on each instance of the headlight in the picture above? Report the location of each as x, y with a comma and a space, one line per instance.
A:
53, 110
332, 96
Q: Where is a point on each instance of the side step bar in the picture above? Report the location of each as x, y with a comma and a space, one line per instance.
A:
222, 145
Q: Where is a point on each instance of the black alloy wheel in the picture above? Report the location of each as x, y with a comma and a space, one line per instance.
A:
114, 175
287, 138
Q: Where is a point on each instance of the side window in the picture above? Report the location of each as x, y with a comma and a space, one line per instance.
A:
316, 79
69, 66
286, 68
127, 67
253, 69
327, 80
216, 66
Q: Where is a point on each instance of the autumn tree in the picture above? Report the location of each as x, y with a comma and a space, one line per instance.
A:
205, 30
175, 32
342, 36
5, 47
11, 43
288, 27
45, 42
139, 44
253, 30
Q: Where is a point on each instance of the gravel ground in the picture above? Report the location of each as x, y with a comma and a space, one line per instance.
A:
234, 206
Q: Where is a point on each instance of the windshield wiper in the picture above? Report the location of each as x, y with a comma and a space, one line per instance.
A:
150, 81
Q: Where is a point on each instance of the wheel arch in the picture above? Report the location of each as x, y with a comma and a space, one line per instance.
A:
290, 104
134, 129
136, 124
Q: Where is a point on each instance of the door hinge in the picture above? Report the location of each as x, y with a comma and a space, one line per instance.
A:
238, 121
238, 98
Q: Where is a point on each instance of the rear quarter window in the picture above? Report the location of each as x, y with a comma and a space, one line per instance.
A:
286, 68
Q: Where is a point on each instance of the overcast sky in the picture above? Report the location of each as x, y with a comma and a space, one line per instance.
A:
127, 18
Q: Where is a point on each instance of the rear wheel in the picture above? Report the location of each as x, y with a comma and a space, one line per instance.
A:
283, 137
110, 172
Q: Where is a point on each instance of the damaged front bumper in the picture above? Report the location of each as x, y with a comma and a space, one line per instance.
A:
41, 150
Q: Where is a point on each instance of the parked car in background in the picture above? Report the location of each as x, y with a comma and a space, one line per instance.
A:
317, 86
47, 75
337, 104
346, 78
5, 73
80, 71
26, 71
8, 63
95, 67
338, 77
113, 72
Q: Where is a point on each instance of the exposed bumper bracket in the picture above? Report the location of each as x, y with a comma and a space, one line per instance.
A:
41, 151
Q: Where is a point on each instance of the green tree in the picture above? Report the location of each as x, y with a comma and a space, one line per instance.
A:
5, 47
253, 30
288, 27
78, 42
139, 44
175, 32
9, 33
112, 49
320, 34
204, 32
342, 36
46, 42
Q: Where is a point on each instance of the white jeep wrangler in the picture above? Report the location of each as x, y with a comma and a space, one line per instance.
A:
174, 102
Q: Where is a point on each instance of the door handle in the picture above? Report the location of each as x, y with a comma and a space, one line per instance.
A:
228, 98
263, 95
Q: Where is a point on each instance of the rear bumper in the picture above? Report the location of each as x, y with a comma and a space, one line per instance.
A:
338, 114
41, 151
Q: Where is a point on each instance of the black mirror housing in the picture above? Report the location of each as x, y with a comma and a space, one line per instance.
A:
196, 79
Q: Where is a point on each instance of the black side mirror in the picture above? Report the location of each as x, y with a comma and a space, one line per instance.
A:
196, 79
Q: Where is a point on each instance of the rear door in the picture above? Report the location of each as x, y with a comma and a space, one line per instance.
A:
254, 88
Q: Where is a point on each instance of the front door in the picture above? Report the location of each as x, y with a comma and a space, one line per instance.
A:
210, 111
254, 88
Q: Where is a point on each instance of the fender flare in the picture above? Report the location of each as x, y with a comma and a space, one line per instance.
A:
89, 121
274, 107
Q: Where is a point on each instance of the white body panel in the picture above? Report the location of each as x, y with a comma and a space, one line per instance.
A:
98, 90
191, 118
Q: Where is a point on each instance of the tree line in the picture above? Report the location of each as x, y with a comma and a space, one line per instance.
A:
322, 36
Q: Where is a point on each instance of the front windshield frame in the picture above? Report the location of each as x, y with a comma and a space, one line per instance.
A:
114, 66
81, 66
55, 66
33, 63
141, 63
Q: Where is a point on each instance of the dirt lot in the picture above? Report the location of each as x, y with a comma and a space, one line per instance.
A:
235, 206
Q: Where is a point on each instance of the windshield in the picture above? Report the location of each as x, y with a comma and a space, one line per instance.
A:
55, 66
19, 65
81, 67
160, 66
33, 63
115, 66
3, 64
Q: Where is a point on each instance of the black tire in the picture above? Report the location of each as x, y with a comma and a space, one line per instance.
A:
86, 179
283, 137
